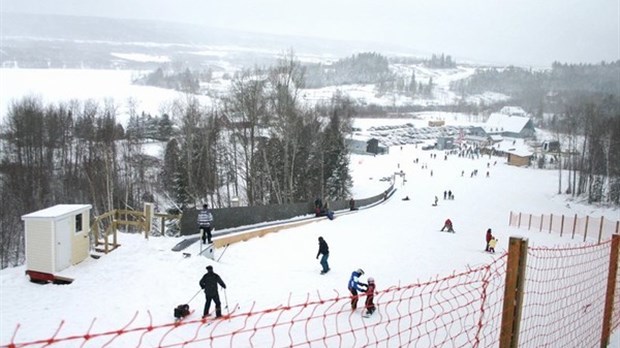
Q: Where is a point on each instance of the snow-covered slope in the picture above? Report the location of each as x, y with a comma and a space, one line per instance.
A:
396, 242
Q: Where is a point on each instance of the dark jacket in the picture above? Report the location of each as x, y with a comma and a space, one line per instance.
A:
323, 248
489, 236
209, 283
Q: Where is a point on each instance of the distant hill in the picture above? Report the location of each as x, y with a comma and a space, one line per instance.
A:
71, 41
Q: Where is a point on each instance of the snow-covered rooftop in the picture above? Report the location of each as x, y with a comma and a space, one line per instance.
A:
498, 123
57, 211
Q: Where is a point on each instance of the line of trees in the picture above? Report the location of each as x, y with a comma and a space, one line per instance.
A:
590, 130
259, 144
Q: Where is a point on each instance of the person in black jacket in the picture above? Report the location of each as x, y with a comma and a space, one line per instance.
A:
323, 249
209, 283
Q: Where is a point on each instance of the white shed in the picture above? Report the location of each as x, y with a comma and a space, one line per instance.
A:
56, 238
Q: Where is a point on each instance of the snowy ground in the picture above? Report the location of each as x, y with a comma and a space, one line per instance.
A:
397, 243
63, 85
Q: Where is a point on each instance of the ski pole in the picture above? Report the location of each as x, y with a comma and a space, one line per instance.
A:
226, 300
222, 254
196, 294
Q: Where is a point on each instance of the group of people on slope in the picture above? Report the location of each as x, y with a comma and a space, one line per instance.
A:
355, 285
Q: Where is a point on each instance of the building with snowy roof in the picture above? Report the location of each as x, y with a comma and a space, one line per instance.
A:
56, 238
509, 126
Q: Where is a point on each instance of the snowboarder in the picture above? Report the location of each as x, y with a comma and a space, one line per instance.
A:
355, 285
489, 236
492, 244
209, 283
447, 225
205, 224
370, 296
436, 200
323, 249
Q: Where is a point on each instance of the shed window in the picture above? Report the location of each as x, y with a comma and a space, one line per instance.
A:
78, 223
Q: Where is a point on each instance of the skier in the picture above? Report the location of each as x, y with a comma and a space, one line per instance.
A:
323, 249
370, 296
436, 200
492, 244
205, 223
355, 286
447, 225
489, 236
209, 283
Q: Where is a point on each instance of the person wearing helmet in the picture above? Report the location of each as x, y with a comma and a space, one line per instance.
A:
370, 296
355, 285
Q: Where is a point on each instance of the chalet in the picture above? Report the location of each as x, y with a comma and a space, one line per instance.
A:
509, 126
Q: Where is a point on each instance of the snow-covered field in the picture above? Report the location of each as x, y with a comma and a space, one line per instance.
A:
396, 243
63, 85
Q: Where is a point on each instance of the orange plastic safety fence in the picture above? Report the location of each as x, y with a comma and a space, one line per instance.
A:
564, 296
461, 310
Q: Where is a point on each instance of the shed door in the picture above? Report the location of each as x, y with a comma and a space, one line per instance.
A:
63, 244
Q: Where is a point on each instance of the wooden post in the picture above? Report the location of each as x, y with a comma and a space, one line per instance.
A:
529, 224
163, 226
510, 219
562, 226
611, 287
574, 226
600, 229
551, 223
585, 232
513, 293
519, 221
617, 227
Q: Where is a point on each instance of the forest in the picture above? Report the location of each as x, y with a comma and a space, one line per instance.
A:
259, 144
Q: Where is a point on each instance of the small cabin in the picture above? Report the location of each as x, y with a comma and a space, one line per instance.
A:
56, 238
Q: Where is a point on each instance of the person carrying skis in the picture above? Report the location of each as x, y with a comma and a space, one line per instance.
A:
447, 225
205, 224
209, 283
489, 236
355, 285
323, 249
370, 296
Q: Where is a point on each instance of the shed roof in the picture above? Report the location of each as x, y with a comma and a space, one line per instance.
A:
498, 122
520, 151
57, 211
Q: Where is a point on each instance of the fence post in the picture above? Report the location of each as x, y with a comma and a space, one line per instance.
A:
574, 226
611, 287
600, 229
551, 223
529, 224
617, 227
510, 219
519, 221
513, 293
562, 226
585, 233
542, 218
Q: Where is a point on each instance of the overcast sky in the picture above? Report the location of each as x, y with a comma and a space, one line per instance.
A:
534, 32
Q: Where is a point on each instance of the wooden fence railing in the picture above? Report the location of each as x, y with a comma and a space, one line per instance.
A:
107, 224
599, 228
